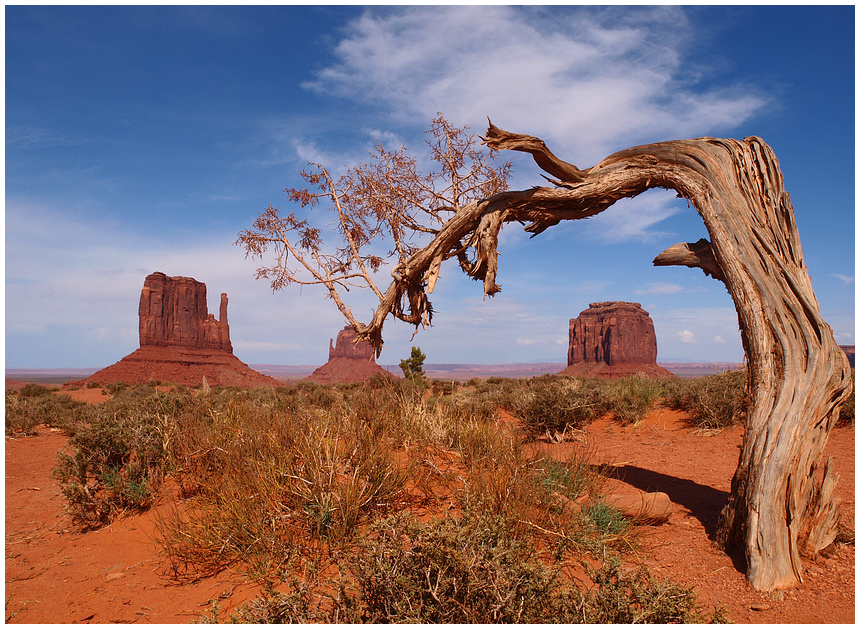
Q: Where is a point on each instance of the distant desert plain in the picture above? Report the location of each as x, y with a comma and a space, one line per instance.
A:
439, 371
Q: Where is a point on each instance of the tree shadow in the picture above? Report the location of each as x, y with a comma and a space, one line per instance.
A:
703, 502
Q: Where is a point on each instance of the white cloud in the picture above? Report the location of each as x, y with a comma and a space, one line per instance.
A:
719, 339
587, 80
845, 279
634, 219
687, 336
86, 279
659, 288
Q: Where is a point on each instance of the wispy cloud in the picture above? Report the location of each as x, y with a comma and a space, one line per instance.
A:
29, 137
659, 288
845, 279
634, 219
589, 80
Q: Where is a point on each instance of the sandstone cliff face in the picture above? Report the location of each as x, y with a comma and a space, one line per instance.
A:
613, 339
173, 313
348, 361
180, 341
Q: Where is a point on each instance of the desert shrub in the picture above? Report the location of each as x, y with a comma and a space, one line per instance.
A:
93, 385
712, 402
459, 570
630, 399
119, 454
23, 414
116, 464
634, 597
263, 477
846, 413
31, 389
554, 403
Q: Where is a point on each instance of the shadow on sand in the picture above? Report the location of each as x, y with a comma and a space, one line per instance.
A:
703, 502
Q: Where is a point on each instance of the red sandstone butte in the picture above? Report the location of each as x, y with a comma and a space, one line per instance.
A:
613, 339
348, 361
180, 341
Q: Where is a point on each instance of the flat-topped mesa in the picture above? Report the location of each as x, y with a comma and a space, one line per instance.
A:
173, 313
613, 339
348, 361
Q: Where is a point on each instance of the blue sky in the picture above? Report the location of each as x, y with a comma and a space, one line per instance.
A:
145, 138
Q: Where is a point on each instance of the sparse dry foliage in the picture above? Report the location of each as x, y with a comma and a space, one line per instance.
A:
383, 204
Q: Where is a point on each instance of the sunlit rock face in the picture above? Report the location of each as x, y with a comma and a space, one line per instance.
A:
173, 313
613, 339
180, 342
348, 361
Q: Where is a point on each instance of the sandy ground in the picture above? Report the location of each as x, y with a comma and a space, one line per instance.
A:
55, 574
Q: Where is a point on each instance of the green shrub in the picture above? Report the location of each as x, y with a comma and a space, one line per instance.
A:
554, 403
23, 414
460, 570
713, 402
31, 389
119, 456
635, 597
631, 398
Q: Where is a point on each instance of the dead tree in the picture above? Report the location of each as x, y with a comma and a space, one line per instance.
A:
782, 503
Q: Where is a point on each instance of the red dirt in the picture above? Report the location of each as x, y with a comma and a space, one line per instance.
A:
187, 366
57, 575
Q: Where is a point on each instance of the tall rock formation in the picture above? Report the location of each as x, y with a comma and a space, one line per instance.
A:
348, 361
173, 313
613, 339
180, 341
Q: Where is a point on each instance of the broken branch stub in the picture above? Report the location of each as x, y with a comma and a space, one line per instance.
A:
798, 377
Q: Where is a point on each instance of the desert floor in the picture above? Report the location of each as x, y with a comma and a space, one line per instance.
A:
55, 574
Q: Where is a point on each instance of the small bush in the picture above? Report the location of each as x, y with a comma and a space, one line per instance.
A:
553, 403
120, 454
31, 389
630, 399
23, 414
635, 597
468, 570
712, 402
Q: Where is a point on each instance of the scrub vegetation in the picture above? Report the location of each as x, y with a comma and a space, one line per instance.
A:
388, 501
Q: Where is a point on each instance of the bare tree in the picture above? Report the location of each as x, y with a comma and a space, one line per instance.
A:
386, 203
782, 502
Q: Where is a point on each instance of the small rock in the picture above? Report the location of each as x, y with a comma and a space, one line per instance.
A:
113, 576
759, 607
830, 563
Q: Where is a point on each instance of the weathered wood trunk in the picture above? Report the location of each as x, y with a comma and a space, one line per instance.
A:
782, 502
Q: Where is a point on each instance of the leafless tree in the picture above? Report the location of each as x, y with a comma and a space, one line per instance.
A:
782, 503
386, 203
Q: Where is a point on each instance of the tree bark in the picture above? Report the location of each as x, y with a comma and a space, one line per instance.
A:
782, 501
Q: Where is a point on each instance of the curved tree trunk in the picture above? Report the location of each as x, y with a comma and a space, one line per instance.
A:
782, 501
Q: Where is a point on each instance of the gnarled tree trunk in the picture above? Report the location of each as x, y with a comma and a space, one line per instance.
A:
782, 501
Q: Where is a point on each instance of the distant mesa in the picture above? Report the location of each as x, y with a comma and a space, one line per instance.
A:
180, 341
849, 352
613, 339
348, 361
